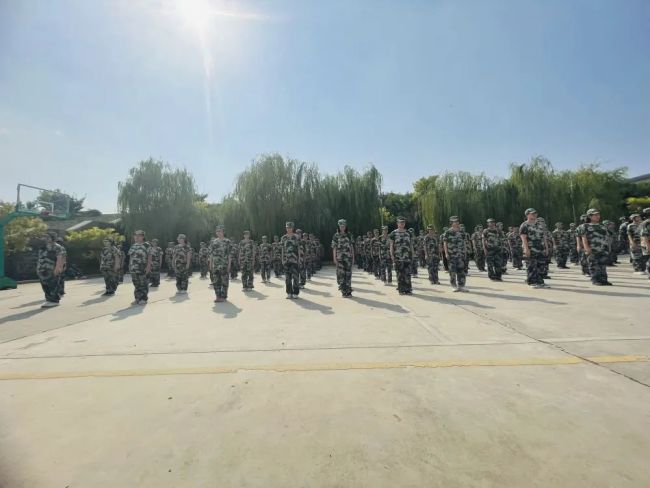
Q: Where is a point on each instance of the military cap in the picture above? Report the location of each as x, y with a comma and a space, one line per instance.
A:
634, 215
572, 224
138, 233
429, 227
275, 237
384, 227
289, 224
558, 223
622, 219
156, 241
583, 216
299, 231
530, 211
109, 239
646, 211
247, 232
593, 211
200, 243
453, 218
401, 219
411, 229
264, 238
541, 219
342, 222
181, 236
219, 227
606, 222
59, 239
490, 220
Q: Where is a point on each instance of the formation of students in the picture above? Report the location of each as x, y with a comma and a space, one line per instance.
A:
592, 244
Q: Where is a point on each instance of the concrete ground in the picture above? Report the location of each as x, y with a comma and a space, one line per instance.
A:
503, 386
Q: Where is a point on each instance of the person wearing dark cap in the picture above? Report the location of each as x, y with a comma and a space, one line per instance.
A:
49, 268
220, 257
343, 257
431, 244
455, 247
402, 254
535, 249
109, 262
139, 267
204, 257
291, 257
182, 263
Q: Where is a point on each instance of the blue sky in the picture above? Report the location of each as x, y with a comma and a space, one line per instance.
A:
87, 89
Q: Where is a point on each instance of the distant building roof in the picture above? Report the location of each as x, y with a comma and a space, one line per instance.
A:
84, 222
639, 179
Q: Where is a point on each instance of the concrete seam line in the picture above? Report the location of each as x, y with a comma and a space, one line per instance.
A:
343, 366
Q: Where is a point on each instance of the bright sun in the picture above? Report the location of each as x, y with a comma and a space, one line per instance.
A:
195, 13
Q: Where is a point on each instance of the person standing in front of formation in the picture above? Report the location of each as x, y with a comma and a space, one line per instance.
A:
561, 244
156, 253
277, 256
291, 256
402, 253
535, 249
386, 264
266, 251
204, 258
220, 257
634, 239
169, 257
493, 251
49, 268
109, 262
182, 263
343, 256
139, 267
455, 247
432, 254
594, 242
247, 260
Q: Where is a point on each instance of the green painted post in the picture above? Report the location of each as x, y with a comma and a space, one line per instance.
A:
5, 281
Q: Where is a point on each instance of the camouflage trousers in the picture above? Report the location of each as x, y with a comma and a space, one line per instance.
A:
344, 276
376, 266
292, 278
494, 265
277, 267
445, 262
479, 259
582, 257
220, 282
140, 285
265, 268
170, 268
386, 272
598, 266
182, 279
247, 274
414, 267
432, 266
234, 269
638, 259
154, 278
457, 271
203, 267
403, 269
302, 274
517, 259
505, 256
110, 279
535, 270
50, 286
545, 261
573, 254
423, 259
561, 256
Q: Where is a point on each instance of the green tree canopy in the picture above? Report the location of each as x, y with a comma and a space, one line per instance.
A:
20, 231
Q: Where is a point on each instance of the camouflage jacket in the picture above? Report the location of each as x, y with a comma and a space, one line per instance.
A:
265, 252
342, 246
47, 256
108, 257
634, 231
402, 245
169, 254
138, 258
432, 246
181, 257
561, 239
384, 244
276, 250
375, 247
247, 251
477, 241
492, 239
220, 251
204, 254
156, 254
291, 248
596, 235
456, 243
535, 235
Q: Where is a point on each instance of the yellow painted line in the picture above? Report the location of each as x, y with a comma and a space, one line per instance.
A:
339, 366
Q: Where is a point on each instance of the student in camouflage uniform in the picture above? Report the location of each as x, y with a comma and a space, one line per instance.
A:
169, 255
276, 252
594, 242
468, 245
431, 245
60, 242
535, 249
266, 251
291, 256
402, 253
139, 267
582, 256
343, 257
109, 261
634, 239
645, 238
358, 249
49, 268
455, 247
414, 244
477, 245
493, 251
505, 254
301, 263
561, 244
367, 253
375, 250
182, 263
624, 243
247, 248
308, 261
234, 260
514, 244
421, 253
156, 254
386, 267
445, 262
573, 249
204, 260
220, 257
612, 236
548, 238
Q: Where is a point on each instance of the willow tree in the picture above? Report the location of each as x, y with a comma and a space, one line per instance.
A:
162, 201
